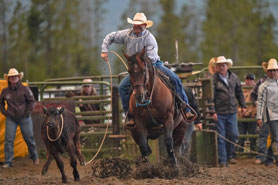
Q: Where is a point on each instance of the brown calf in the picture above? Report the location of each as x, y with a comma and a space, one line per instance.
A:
61, 132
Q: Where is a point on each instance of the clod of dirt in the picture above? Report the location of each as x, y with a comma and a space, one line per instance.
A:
111, 167
165, 171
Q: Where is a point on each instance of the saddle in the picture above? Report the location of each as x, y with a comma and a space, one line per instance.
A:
179, 103
165, 79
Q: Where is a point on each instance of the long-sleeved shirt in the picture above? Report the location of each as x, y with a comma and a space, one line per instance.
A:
268, 100
133, 43
20, 100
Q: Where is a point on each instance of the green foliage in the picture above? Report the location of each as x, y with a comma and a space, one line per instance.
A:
172, 27
50, 38
243, 32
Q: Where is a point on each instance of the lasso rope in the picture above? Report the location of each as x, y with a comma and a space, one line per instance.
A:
61, 130
119, 58
106, 130
251, 151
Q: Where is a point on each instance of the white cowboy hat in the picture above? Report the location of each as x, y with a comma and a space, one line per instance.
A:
223, 60
271, 64
140, 18
218, 60
13, 72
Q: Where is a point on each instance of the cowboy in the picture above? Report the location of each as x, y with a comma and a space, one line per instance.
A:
136, 39
267, 103
227, 91
20, 101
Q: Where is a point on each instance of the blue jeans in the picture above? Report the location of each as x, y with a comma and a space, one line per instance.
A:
262, 141
227, 127
125, 85
186, 145
273, 125
26, 127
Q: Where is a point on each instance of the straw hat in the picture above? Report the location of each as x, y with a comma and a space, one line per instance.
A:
271, 64
223, 60
211, 65
140, 18
13, 72
218, 60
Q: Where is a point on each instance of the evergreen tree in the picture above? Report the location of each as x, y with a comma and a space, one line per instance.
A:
241, 32
170, 29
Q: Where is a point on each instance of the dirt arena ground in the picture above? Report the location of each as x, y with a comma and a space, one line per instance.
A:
245, 172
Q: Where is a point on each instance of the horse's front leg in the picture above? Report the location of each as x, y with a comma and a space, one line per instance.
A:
140, 137
169, 127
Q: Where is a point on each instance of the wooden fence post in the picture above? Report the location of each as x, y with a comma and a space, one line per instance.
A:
115, 118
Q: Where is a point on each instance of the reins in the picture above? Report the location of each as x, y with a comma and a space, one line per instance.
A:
61, 130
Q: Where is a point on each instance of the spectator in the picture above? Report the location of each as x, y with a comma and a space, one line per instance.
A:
267, 103
20, 101
87, 90
248, 127
227, 90
264, 131
186, 146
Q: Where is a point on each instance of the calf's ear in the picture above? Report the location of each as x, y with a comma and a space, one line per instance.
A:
45, 110
60, 110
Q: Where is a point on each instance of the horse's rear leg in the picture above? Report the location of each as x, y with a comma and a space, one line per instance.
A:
47, 163
178, 136
73, 162
76, 141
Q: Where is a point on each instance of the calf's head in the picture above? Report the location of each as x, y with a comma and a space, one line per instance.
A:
53, 116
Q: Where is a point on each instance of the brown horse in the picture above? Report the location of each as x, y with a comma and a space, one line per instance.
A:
154, 109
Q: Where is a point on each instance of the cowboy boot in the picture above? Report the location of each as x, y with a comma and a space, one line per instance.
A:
130, 122
188, 115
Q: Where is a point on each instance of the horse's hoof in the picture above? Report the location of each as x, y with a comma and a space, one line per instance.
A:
64, 181
141, 160
44, 172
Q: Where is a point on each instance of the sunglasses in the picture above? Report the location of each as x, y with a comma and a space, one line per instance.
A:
273, 70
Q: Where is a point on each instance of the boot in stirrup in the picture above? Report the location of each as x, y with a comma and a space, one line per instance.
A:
129, 120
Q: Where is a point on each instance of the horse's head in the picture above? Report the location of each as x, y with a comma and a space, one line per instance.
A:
139, 75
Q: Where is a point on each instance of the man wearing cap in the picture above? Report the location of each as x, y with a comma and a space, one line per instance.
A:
136, 39
267, 104
227, 91
248, 127
20, 101
87, 90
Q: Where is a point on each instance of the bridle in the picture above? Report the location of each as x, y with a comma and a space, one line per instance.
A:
145, 86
